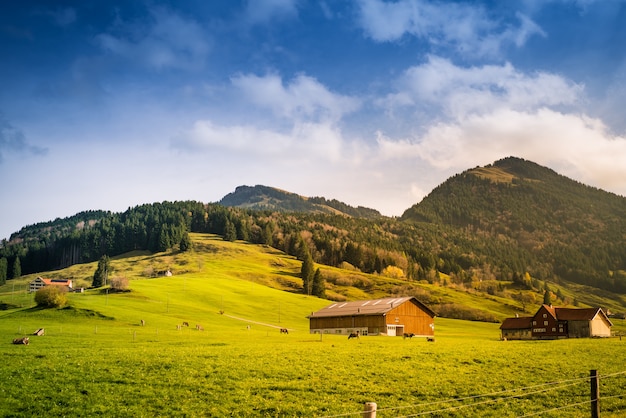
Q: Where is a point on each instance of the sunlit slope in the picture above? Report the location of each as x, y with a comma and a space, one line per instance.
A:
223, 285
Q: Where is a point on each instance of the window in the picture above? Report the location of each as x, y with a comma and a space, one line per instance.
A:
545, 315
534, 322
553, 329
545, 322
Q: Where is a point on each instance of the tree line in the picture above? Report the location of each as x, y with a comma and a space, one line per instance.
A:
468, 227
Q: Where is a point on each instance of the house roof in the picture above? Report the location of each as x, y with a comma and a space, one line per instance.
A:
560, 314
61, 282
367, 307
523, 322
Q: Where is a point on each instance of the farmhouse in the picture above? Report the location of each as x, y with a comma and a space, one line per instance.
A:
40, 282
553, 322
389, 316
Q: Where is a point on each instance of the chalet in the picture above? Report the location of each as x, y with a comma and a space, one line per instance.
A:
40, 282
389, 316
553, 322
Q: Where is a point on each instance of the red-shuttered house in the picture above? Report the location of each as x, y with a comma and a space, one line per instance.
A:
553, 322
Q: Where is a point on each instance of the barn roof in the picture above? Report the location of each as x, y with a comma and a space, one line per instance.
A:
585, 314
367, 307
517, 323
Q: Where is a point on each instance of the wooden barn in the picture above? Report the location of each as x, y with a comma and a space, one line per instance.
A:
389, 316
551, 322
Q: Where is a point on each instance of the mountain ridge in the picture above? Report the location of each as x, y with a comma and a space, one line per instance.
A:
509, 225
261, 197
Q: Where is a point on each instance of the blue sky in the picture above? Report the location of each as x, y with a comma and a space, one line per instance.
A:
112, 104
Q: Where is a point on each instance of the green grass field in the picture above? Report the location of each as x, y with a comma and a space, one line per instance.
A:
95, 358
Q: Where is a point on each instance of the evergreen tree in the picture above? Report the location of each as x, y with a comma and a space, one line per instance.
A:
547, 297
230, 232
102, 272
185, 242
267, 235
307, 272
3, 270
318, 287
17, 269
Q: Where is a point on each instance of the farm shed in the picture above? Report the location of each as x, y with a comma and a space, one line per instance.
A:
389, 316
517, 328
553, 322
40, 282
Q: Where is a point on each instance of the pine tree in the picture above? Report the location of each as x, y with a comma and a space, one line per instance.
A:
230, 232
547, 300
102, 272
17, 269
185, 242
307, 272
318, 287
3, 270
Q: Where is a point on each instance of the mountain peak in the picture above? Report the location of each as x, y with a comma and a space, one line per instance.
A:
261, 197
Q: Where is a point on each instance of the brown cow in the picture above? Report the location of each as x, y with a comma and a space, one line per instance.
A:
23, 341
284, 331
199, 327
354, 335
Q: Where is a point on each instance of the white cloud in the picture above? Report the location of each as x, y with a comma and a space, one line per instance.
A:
461, 91
166, 41
466, 28
304, 142
304, 98
574, 145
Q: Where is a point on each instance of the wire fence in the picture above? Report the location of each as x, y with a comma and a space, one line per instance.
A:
613, 400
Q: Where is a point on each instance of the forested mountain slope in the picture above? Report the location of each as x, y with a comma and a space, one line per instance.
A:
272, 199
560, 228
513, 229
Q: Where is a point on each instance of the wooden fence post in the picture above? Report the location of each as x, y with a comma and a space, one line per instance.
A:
595, 394
369, 410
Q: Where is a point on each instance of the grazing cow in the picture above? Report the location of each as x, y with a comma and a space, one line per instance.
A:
143, 323
284, 331
178, 327
23, 341
430, 339
408, 335
185, 324
199, 327
354, 335
39, 332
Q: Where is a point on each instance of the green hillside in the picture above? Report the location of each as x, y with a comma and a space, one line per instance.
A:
216, 273
96, 358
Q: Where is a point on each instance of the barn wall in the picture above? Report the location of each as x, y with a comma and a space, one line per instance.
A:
414, 319
517, 334
599, 327
366, 324
578, 329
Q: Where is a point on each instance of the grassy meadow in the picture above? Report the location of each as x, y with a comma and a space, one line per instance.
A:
96, 359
